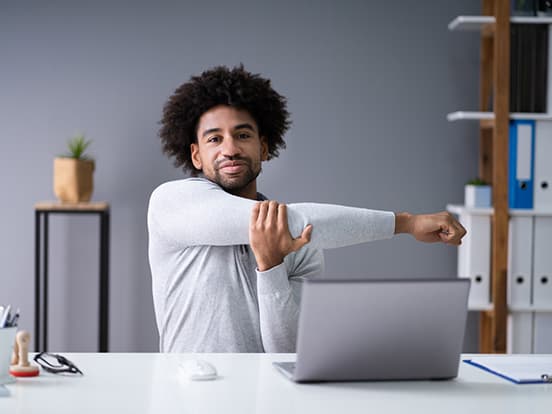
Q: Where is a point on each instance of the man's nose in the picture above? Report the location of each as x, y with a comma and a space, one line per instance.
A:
230, 147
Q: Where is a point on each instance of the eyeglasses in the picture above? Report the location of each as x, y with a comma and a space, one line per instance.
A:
56, 364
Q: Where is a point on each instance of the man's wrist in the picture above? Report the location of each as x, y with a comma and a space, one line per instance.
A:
264, 266
403, 222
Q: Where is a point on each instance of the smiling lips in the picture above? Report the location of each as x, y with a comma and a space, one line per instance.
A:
232, 167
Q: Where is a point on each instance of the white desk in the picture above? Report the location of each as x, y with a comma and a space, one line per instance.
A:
149, 383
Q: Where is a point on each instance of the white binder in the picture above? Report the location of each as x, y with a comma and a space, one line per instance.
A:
520, 333
542, 263
474, 259
542, 183
543, 333
520, 257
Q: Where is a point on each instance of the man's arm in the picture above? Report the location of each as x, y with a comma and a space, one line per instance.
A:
269, 234
198, 212
431, 228
271, 242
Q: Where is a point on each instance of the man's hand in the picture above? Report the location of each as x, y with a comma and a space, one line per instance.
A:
431, 228
269, 234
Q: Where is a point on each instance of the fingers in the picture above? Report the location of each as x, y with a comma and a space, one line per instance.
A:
263, 212
282, 217
272, 213
254, 214
452, 231
271, 217
303, 239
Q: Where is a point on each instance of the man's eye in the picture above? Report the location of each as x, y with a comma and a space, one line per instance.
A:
243, 135
213, 139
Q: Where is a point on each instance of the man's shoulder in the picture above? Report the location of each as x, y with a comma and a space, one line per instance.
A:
183, 185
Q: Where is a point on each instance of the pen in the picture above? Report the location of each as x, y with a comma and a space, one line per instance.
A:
5, 316
13, 321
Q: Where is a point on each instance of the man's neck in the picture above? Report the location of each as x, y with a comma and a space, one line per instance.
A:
250, 191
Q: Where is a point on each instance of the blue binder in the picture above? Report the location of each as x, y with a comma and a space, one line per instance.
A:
521, 164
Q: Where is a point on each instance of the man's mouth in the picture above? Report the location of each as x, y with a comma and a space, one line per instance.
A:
232, 167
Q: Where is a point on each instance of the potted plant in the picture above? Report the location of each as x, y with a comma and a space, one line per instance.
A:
73, 172
477, 193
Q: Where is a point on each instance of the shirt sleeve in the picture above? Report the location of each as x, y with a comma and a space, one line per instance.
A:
279, 295
196, 211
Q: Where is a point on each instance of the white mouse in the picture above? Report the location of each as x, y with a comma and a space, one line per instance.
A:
198, 370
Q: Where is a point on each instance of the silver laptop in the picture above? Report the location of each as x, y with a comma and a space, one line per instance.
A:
357, 330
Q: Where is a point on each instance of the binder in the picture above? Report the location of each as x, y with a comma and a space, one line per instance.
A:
520, 333
543, 333
474, 259
540, 75
542, 263
529, 49
521, 164
520, 258
549, 73
533, 369
543, 164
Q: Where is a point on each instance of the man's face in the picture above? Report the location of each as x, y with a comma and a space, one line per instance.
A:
229, 150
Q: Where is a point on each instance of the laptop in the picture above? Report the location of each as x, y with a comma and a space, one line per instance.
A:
361, 330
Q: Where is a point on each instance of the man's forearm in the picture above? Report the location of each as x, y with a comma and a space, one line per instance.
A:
430, 228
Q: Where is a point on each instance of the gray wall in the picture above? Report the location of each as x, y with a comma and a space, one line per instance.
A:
368, 83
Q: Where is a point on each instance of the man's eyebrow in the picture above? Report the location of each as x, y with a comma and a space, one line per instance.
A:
209, 131
245, 126
239, 126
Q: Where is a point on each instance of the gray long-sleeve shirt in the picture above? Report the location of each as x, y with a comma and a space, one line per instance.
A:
208, 294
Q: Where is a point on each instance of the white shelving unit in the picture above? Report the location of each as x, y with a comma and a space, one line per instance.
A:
517, 212
479, 116
530, 319
475, 23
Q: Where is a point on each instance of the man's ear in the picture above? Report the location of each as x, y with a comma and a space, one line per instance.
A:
264, 149
196, 160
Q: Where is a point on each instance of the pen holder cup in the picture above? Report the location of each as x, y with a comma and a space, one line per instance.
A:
7, 342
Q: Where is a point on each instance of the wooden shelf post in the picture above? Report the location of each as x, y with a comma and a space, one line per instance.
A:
493, 166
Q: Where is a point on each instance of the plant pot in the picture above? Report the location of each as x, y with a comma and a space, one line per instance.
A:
477, 196
73, 179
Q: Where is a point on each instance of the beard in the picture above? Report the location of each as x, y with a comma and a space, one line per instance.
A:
235, 183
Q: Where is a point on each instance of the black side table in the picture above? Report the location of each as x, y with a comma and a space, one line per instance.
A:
42, 213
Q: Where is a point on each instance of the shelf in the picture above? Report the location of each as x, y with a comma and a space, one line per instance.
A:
529, 309
489, 116
489, 306
480, 308
478, 211
476, 23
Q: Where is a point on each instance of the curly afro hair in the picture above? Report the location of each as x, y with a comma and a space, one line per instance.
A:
221, 86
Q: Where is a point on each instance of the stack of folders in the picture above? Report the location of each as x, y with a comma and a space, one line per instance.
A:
530, 171
528, 67
530, 164
531, 8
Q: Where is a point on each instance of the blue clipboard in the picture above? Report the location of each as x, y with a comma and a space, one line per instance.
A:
536, 377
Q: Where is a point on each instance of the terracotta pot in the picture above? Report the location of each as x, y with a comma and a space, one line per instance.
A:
73, 179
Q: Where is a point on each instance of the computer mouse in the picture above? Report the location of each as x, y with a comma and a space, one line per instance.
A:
197, 370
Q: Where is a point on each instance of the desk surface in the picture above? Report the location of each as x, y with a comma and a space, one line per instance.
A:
149, 383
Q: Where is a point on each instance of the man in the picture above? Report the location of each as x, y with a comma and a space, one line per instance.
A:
227, 263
